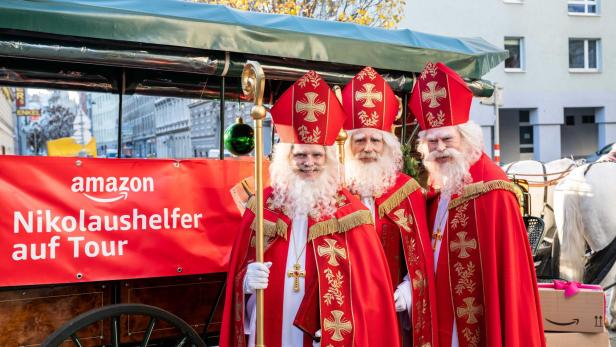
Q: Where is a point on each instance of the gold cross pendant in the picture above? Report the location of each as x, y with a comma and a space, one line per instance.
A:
296, 273
438, 235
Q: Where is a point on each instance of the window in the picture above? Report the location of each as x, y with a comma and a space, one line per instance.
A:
583, 7
588, 119
515, 46
570, 120
584, 55
526, 133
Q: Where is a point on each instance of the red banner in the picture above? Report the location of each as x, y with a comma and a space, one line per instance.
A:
77, 219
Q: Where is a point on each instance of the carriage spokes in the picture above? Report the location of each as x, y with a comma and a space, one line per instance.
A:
114, 320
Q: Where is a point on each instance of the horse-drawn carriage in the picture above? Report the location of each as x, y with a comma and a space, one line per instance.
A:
571, 202
167, 290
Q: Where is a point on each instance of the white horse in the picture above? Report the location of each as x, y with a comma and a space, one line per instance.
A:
542, 179
585, 214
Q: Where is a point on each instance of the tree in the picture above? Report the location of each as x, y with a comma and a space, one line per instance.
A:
34, 137
377, 13
57, 122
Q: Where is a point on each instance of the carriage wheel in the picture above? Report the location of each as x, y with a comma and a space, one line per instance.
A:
188, 337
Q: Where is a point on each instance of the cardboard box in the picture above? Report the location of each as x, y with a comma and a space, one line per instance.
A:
582, 312
577, 339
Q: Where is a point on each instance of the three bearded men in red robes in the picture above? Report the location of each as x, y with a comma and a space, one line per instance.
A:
338, 264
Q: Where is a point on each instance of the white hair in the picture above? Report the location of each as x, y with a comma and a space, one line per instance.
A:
297, 196
472, 134
373, 179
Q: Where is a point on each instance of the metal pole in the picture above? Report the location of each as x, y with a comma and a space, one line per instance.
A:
496, 127
120, 100
221, 133
405, 101
253, 84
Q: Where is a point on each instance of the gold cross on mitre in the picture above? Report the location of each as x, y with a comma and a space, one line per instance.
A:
367, 95
434, 93
296, 273
311, 106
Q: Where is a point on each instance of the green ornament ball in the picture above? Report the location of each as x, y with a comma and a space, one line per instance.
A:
239, 138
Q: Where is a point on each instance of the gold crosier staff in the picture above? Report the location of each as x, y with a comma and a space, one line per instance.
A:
253, 84
340, 139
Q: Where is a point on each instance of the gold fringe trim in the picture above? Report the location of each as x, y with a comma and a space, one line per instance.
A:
251, 204
342, 225
271, 229
396, 198
475, 190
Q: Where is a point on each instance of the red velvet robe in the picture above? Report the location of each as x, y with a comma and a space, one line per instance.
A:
406, 242
370, 301
507, 309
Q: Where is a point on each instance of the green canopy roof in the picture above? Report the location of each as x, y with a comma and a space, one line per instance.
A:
219, 28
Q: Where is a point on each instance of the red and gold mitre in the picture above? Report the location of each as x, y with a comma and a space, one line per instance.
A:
440, 98
369, 102
308, 112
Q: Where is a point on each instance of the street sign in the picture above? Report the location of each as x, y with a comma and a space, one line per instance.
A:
498, 94
23, 112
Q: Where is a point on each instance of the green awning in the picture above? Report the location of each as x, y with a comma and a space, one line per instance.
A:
219, 28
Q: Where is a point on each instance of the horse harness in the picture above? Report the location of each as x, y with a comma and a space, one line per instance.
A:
546, 183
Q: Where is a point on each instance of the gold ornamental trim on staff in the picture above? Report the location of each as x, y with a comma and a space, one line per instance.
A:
253, 84
340, 140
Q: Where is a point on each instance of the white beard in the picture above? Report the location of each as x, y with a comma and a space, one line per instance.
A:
297, 196
450, 176
370, 179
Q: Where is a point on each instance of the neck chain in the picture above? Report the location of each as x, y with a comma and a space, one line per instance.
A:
297, 271
438, 234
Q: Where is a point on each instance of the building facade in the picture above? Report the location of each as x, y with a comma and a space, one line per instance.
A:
104, 115
172, 119
139, 127
559, 95
205, 125
7, 121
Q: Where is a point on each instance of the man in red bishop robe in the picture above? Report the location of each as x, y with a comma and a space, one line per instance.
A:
325, 275
373, 160
486, 289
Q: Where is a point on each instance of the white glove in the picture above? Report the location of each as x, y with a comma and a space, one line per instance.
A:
257, 277
317, 343
403, 297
